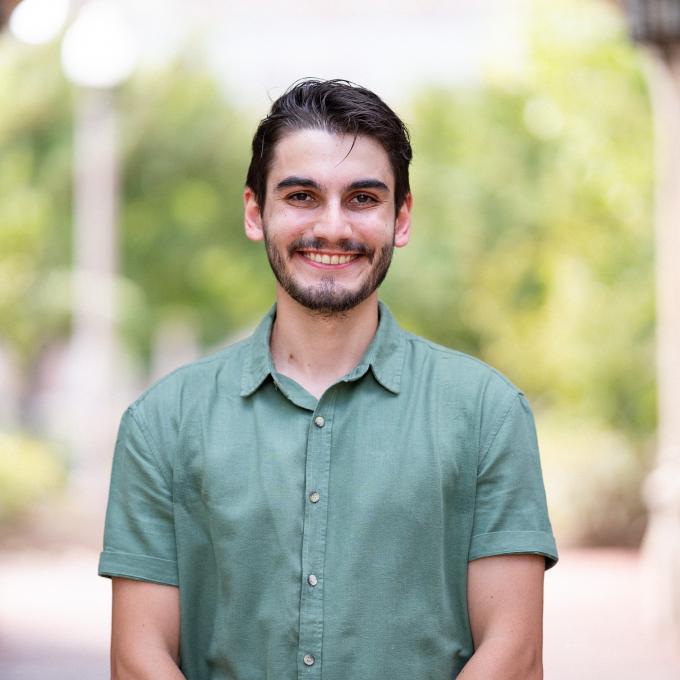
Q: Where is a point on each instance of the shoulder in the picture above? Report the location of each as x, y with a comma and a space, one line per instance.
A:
464, 388
443, 364
186, 391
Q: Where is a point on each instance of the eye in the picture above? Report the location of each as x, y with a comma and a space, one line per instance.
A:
300, 197
363, 199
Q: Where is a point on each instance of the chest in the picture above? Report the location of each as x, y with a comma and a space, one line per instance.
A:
383, 458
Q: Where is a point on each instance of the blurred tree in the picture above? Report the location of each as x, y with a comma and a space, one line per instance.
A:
35, 199
186, 152
184, 158
533, 222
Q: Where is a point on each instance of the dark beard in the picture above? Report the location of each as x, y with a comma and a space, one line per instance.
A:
326, 298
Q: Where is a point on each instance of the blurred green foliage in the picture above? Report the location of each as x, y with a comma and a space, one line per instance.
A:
534, 218
186, 153
532, 244
30, 470
35, 198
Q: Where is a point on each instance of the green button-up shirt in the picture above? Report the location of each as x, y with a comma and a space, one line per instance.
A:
325, 539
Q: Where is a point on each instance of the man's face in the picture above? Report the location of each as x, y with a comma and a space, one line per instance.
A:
329, 222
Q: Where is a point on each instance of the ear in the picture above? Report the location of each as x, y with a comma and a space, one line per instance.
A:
252, 217
402, 224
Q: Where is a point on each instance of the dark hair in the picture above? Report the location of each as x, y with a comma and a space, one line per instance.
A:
337, 106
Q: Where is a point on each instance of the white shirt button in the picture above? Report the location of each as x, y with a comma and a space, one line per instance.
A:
314, 496
312, 580
319, 421
308, 659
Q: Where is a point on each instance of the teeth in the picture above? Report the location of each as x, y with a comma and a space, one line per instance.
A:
329, 259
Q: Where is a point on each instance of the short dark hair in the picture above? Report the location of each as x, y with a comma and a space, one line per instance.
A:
337, 106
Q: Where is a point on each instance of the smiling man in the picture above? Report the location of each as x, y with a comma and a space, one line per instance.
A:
332, 498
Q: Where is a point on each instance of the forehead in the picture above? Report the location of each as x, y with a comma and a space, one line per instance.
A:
327, 157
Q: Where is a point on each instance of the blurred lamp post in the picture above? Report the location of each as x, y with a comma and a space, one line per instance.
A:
36, 21
656, 25
98, 54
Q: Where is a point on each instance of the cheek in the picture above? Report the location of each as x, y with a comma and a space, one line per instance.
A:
289, 222
376, 227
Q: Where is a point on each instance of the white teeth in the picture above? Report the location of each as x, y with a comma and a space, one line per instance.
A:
329, 259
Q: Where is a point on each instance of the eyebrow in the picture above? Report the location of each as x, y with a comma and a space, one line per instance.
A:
369, 184
295, 181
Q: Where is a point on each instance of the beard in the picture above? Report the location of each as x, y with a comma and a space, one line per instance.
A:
328, 297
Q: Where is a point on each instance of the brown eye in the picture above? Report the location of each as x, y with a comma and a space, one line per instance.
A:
363, 199
300, 196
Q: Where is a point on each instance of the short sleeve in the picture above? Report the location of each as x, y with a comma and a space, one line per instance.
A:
511, 514
139, 535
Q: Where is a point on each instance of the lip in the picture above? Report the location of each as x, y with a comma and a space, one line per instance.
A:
320, 265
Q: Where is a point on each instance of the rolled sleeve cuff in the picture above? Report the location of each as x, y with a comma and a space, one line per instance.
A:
513, 543
140, 567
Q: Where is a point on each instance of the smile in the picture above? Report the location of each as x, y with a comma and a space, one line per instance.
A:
328, 259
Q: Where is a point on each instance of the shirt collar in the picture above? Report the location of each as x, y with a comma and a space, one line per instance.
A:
385, 354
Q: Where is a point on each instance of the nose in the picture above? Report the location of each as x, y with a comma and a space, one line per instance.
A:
333, 225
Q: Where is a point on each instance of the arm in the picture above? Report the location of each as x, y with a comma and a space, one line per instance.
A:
144, 631
505, 604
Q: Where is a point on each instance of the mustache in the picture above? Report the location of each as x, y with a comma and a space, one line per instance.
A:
346, 245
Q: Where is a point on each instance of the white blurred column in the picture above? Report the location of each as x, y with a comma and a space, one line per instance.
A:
98, 54
661, 547
95, 263
655, 24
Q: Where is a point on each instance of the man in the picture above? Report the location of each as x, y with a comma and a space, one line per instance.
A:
333, 497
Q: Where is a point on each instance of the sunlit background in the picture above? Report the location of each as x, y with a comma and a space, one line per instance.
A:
124, 140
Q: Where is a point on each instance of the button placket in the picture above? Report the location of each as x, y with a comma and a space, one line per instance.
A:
314, 537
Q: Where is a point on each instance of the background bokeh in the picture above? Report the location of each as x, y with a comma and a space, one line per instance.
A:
533, 242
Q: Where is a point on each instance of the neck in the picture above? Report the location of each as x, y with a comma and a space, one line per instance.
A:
316, 350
